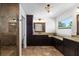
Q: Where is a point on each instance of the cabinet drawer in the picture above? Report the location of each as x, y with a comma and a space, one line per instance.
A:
69, 43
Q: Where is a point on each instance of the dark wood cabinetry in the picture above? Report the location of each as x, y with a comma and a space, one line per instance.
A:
70, 47
66, 46
29, 25
29, 28
78, 49
40, 40
44, 40
58, 44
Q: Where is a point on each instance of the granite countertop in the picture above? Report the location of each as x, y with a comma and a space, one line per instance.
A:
73, 38
42, 33
57, 37
49, 35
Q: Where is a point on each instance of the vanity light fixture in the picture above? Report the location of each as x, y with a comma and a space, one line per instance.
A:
39, 19
77, 10
78, 7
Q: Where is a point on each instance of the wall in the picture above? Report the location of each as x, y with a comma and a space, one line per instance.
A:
68, 13
50, 25
7, 12
22, 26
49, 22
39, 11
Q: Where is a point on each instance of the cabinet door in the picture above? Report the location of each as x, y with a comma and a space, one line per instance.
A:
45, 41
29, 25
35, 40
77, 51
59, 45
29, 29
41, 40
53, 41
68, 51
70, 48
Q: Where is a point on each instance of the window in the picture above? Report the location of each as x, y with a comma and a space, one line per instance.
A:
65, 24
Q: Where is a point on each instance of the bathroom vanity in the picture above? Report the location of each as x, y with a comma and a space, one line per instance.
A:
71, 46
67, 45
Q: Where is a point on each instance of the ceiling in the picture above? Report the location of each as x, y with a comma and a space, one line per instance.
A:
39, 8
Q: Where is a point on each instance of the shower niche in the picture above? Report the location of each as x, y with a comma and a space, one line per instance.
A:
12, 25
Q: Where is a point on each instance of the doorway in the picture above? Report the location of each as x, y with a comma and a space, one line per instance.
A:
77, 24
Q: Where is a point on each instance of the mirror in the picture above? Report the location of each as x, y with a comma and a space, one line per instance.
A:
39, 27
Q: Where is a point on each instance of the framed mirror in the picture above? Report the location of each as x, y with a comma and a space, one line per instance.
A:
39, 27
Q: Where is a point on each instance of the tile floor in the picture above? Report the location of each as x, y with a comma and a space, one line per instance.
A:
8, 51
41, 51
